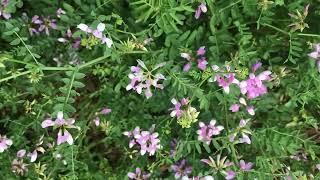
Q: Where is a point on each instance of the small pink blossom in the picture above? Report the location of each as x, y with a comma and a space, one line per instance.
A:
207, 131
202, 63
139, 175
63, 125
202, 8
234, 107
245, 166
230, 175
147, 140
5, 143
225, 81
142, 79
60, 12
201, 51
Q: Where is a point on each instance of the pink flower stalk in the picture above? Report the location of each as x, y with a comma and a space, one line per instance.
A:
60, 12
142, 79
202, 8
147, 140
253, 87
316, 55
225, 81
245, 166
234, 107
181, 169
207, 131
5, 143
63, 125
98, 33
139, 175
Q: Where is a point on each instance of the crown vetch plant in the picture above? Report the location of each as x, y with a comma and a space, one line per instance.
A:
132, 89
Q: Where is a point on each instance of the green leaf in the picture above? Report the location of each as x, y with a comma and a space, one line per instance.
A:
68, 7
15, 42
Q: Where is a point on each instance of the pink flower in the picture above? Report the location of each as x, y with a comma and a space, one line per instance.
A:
230, 175
201, 51
60, 12
98, 33
147, 140
202, 63
245, 166
21, 153
177, 111
105, 111
225, 81
187, 67
245, 139
250, 110
142, 79
207, 131
315, 54
62, 124
201, 8
234, 107
5, 143
139, 175
254, 87
181, 169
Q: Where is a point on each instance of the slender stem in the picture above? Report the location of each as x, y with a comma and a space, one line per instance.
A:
20, 62
309, 35
95, 61
275, 28
229, 6
14, 76
34, 58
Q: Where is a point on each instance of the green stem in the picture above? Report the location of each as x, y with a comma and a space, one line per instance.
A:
95, 61
275, 28
34, 58
14, 76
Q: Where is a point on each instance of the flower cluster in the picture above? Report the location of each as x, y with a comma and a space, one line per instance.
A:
139, 175
63, 125
241, 129
39, 24
236, 107
5, 143
147, 141
68, 38
142, 79
207, 131
3, 12
97, 33
201, 59
185, 114
104, 111
253, 87
181, 169
224, 78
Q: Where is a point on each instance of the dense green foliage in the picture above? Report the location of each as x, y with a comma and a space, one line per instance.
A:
40, 76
